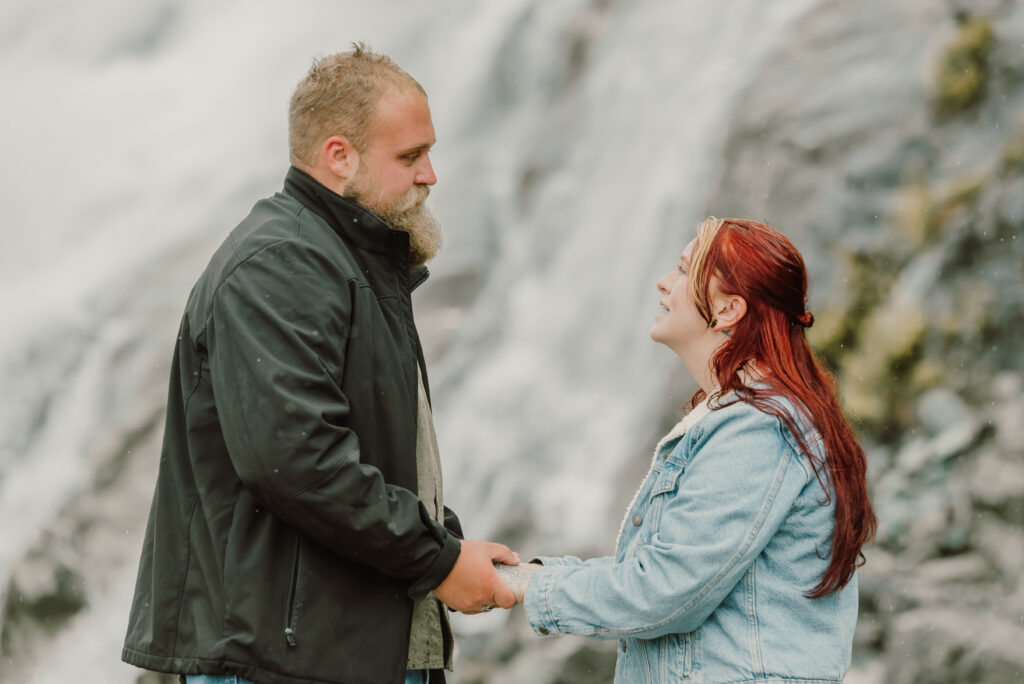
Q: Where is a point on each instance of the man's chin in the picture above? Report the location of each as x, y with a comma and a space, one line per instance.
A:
425, 236
418, 221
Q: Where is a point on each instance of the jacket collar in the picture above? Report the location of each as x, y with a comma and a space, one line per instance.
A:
689, 420
356, 224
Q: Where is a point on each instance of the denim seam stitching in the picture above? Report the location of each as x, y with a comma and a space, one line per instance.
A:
838, 617
793, 680
757, 654
548, 586
780, 473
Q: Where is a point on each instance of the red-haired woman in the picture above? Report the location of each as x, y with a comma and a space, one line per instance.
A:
736, 559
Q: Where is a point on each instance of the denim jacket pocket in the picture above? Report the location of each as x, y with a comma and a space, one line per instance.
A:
668, 479
665, 483
677, 657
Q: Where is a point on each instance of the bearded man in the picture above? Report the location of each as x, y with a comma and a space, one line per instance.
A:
297, 532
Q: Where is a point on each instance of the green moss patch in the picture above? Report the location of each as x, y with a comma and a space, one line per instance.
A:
963, 69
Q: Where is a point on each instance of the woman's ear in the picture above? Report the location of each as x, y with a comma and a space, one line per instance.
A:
728, 311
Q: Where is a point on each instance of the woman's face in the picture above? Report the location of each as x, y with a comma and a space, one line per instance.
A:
680, 323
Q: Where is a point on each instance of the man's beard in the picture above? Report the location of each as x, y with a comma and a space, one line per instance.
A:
410, 214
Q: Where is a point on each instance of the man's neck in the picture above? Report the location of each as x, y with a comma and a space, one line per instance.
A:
322, 176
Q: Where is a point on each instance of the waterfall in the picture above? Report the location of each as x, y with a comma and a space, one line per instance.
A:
595, 133
578, 141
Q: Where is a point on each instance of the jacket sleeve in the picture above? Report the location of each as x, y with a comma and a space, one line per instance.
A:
555, 561
276, 338
714, 522
452, 523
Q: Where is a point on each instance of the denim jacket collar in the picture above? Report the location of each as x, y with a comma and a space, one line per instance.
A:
689, 420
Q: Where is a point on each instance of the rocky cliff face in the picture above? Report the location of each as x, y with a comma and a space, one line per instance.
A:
886, 137
887, 141
906, 192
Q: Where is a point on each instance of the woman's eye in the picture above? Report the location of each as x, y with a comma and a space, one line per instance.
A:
682, 269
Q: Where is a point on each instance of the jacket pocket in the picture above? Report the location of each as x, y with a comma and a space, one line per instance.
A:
291, 609
667, 480
678, 657
665, 483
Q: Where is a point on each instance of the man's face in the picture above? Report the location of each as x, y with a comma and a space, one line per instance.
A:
395, 173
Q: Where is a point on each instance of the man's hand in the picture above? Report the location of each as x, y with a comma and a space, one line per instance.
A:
473, 584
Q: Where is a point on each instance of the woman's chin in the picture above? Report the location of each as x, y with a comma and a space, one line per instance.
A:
658, 335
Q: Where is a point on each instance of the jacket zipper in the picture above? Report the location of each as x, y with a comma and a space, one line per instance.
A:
289, 626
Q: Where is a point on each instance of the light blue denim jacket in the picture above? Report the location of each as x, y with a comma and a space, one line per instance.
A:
707, 585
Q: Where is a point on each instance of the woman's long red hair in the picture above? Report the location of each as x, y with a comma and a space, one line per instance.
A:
759, 264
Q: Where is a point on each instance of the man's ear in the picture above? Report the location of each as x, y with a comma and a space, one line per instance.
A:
340, 157
728, 311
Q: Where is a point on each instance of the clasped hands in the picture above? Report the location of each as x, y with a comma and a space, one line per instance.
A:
485, 575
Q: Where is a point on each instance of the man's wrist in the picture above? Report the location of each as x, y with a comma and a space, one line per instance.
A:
439, 570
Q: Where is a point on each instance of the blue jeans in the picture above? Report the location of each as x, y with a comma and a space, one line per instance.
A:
411, 677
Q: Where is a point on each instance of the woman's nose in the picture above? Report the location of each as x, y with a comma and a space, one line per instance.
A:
664, 284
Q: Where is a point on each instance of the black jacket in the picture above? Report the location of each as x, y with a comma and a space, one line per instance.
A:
286, 543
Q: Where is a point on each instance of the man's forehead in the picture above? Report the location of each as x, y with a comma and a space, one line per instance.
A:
402, 118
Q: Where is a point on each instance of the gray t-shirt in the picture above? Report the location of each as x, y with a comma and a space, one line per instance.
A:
428, 647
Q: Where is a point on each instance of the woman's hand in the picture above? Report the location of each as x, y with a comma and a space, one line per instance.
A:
517, 577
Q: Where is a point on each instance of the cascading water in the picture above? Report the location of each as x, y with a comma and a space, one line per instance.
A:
577, 143
604, 142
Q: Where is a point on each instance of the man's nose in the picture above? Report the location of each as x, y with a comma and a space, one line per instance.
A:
426, 175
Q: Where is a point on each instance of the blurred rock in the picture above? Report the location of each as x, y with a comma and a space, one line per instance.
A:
589, 663
996, 483
1003, 545
940, 409
42, 595
965, 568
45, 589
1006, 385
933, 646
911, 227
31, 618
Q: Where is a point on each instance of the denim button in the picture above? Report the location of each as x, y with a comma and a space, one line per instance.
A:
542, 630
623, 646
637, 520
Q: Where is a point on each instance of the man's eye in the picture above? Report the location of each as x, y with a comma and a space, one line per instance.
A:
412, 157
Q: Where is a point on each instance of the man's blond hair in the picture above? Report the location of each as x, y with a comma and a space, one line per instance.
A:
339, 96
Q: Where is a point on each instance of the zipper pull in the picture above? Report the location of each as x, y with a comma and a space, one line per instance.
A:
289, 635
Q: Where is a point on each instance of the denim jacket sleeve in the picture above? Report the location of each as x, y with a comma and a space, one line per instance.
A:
721, 505
554, 561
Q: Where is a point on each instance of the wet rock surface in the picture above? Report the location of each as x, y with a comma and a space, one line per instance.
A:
904, 188
911, 218
909, 209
